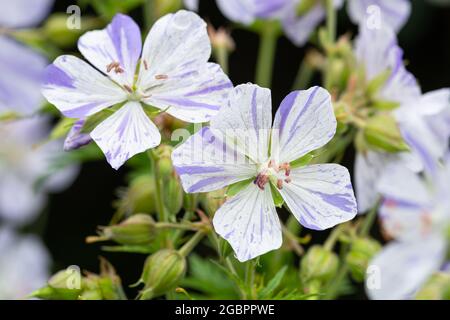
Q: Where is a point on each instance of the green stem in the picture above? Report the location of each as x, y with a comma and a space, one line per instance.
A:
332, 238
369, 220
304, 75
159, 197
191, 244
268, 37
250, 278
331, 20
221, 54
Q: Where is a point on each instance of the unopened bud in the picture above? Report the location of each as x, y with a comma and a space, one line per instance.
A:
319, 264
162, 271
212, 201
64, 285
382, 132
362, 250
139, 196
139, 229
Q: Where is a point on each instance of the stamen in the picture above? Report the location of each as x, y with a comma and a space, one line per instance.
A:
145, 65
288, 180
280, 184
287, 168
114, 66
127, 87
161, 77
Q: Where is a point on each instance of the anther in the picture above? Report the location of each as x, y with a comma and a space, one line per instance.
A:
287, 169
288, 180
161, 77
114, 66
145, 65
127, 87
280, 184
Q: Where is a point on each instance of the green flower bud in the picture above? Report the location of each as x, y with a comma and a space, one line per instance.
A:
162, 271
319, 264
361, 252
64, 285
212, 201
139, 197
139, 229
437, 288
337, 73
382, 132
378, 82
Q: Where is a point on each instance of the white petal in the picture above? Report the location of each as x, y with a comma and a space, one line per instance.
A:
205, 163
393, 13
20, 77
400, 269
249, 222
242, 11
304, 122
174, 72
23, 13
320, 196
195, 94
246, 121
77, 89
119, 42
127, 132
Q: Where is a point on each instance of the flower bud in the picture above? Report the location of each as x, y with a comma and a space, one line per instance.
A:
319, 264
212, 201
139, 229
171, 185
64, 285
382, 132
138, 197
362, 250
162, 271
221, 39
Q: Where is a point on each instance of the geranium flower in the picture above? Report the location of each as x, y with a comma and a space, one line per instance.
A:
21, 66
174, 76
418, 115
393, 13
25, 159
24, 266
299, 18
415, 212
241, 145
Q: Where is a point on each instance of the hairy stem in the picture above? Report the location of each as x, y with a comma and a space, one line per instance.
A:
268, 37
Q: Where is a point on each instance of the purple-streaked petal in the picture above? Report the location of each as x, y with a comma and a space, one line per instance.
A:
21, 71
246, 121
77, 89
249, 222
119, 42
205, 163
195, 94
320, 196
23, 13
304, 122
174, 72
242, 11
401, 268
299, 28
393, 13
377, 51
75, 138
127, 132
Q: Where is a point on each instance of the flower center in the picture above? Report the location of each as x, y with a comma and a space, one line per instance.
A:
274, 173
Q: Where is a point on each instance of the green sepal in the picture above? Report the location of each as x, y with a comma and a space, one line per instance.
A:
303, 161
276, 196
234, 188
62, 128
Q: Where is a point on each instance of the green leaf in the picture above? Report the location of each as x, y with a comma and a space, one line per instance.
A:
234, 188
268, 291
62, 128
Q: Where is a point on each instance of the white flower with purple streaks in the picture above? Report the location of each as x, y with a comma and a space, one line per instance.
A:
377, 51
21, 66
298, 17
241, 145
24, 264
393, 13
25, 158
415, 212
174, 76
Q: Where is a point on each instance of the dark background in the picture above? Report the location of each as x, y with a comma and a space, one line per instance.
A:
75, 214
